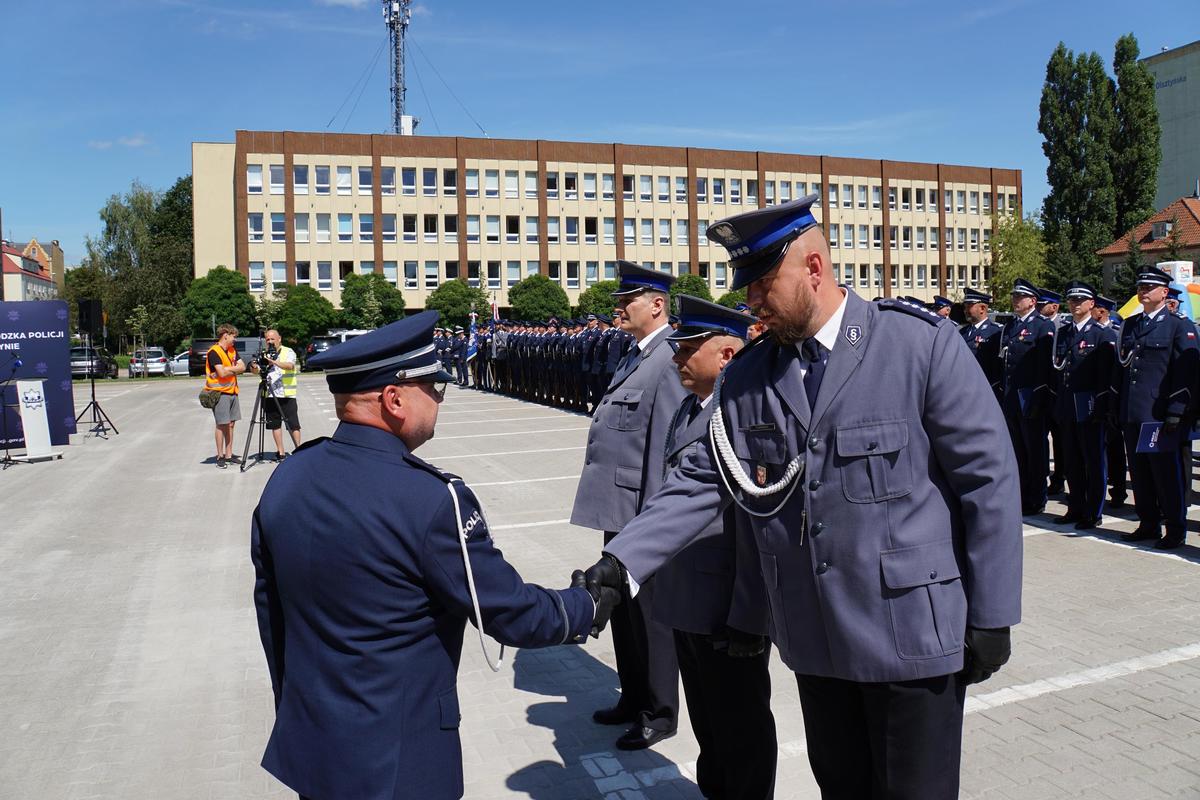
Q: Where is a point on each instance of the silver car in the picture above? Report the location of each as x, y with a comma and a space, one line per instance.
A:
150, 361
179, 364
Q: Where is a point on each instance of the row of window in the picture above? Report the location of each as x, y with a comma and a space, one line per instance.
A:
492, 274
902, 237
568, 186
909, 276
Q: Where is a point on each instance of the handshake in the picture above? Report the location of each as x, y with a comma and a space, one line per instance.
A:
603, 581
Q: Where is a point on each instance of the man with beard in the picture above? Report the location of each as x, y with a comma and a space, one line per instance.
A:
886, 520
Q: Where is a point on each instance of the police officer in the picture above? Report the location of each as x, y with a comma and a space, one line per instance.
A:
1084, 355
886, 522
1156, 383
362, 593
598, 374
1114, 440
941, 305
623, 465
982, 336
458, 352
1025, 349
1049, 303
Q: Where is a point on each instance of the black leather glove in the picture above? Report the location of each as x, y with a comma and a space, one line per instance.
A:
988, 649
604, 581
1170, 425
739, 644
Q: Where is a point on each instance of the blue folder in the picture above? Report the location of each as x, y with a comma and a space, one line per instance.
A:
1085, 404
1151, 438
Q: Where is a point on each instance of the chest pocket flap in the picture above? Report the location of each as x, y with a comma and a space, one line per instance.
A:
761, 446
627, 412
874, 461
872, 440
921, 565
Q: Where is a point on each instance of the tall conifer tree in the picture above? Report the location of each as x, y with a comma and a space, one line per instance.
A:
1137, 153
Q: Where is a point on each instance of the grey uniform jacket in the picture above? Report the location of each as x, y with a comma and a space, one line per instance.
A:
712, 583
623, 463
905, 527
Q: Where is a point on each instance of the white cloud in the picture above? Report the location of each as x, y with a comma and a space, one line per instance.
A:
99, 145
137, 140
422, 11
343, 3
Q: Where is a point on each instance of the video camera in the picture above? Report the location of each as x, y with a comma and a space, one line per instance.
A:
264, 353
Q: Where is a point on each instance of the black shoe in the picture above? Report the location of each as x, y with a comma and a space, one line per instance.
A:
280, 456
1068, 518
1087, 523
1056, 487
234, 459
1170, 541
1029, 511
617, 715
1116, 502
220, 463
1141, 535
639, 738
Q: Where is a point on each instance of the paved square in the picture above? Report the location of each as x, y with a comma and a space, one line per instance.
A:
131, 664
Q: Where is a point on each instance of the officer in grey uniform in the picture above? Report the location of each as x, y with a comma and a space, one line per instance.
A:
887, 522
623, 466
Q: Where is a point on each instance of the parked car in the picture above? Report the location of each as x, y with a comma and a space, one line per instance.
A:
151, 361
246, 346
178, 365
318, 345
93, 362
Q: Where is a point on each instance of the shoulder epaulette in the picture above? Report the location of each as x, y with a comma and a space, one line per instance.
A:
422, 464
310, 443
912, 309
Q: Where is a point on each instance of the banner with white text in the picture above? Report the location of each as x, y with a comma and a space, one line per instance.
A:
35, 335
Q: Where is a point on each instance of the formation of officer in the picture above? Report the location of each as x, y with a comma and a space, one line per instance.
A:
886, 525
983, 336
364, 585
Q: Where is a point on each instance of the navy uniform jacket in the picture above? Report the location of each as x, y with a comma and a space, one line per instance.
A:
983, 340
623, 463
905, 527
712, 582
1160, 381
600, 352
1025, 348
362, 602
1087, 356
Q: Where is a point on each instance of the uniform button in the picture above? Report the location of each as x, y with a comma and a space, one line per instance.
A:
814, 485
817, 527
933, 574
872, 445
813, 442
823, 568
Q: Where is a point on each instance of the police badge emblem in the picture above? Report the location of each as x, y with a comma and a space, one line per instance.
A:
853, 335
727, 233
760, 474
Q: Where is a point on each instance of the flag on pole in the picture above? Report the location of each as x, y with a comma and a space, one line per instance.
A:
472, 347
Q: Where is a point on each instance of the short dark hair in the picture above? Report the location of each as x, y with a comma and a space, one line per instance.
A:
226, 328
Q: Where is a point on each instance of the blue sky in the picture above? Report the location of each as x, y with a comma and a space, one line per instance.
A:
98, 94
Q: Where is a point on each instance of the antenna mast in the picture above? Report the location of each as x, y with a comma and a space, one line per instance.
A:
396, 15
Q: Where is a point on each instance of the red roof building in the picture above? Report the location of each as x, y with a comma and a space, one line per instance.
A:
23, 278
1153, 235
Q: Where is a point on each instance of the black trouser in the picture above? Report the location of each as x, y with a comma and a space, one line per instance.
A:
1114, 447
461, 368
646, 664
1056, 436
870, 741
1029, 444
1085, 465
1160, 483
729, 703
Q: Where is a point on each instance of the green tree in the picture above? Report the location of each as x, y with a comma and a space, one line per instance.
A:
690, 284
731, 299
1018, 251
1137, 153
221, 296
303, 314
597, 298
84, 282
268, 307
370, 300
453, 301
1124, 277
1174, 243
538, 298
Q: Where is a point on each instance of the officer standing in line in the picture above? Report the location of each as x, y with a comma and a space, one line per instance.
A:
1114, 440
361, 589
587, 358
623, 465
983, 336
598, 377
458, 351
1049, 304
1025, 350
941, 305
1173, 301
1156, 383
886, 522
1084, 356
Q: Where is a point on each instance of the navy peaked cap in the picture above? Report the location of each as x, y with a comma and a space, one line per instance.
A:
1105, 303
1022, 286
941, 302
704, 318
636, 278
975, 296
1080, 290
758, 240
1047, 296
1154, 276
397, 352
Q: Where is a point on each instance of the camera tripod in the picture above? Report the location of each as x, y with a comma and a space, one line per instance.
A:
100, 421
259, 417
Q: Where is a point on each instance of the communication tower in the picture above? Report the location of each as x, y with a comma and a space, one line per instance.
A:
397, 14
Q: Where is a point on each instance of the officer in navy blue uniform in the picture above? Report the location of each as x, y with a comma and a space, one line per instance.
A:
361, 589
941, 305
1156, 383
1115, 462
982, 336
458, 352
1049, 303
1085, 352
1025, 350
886, 522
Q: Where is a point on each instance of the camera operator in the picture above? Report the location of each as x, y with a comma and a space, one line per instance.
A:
279, 362
222, 366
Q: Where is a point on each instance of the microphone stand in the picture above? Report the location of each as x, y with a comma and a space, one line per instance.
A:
8, 460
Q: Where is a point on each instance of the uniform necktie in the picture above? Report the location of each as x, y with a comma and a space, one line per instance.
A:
814, 354
694, 411
630, 360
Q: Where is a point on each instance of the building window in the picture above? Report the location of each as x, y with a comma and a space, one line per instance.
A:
532, 268
278, 227
751, 192
664, 231
387, 181
680, 189
848, 236
933, 238
366, 227
493, 228
343, 180
834, 232
892, 198
450, 228
389, 272
962, 238
589, 186
410, 227
785, 192
607, 185
591, 272
256, 276
719, 275
920, 237
949, 200
278, 273
862, 196
300, 179
921, 276
1000, 202
450, 182
301, 226
906, 237
572, 274
512, 183
877, 237
974, 240
512, 229
321, 179
628, 234
769, 192
961, 204
987, 240
718, 190
410, 275
322, 228
431, 274
701, 190
864, 275
553, 271
552, 228
570, 185
920, 199
905, 199
893, 232
816, 189
702, 232
974, 205
531, 184
864, 236
388, 228
610, 270
324, 275
277, 179
987, 202
254, 179
735, 190
681, 231
833, 189
531, 230
572, 224
451, 270
302, 273
472, 183
589, 230
645, 183
472, 273
366, 267
610, 230
1012, 203
472, 228
513, 268
876, 196
847, 195
491, 183
551, 185
430, 230
664, 188
647, 231
255, 224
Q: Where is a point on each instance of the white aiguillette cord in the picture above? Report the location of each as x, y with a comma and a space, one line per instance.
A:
462, 540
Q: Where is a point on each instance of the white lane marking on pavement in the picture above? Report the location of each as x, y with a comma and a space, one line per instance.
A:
507, 433
1070, 533
489, 420
431, 459
542, 524
527, 480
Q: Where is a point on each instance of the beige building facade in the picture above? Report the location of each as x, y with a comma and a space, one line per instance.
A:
1177, 94
310, 208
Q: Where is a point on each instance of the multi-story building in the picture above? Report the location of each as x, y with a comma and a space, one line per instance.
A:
23, 277
1177, 95
310, 208
1154, 237
50, 257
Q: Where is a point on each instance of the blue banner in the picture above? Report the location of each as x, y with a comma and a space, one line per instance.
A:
35, 334
472, 344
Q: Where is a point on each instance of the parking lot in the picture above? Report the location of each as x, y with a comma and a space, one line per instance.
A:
132, 667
